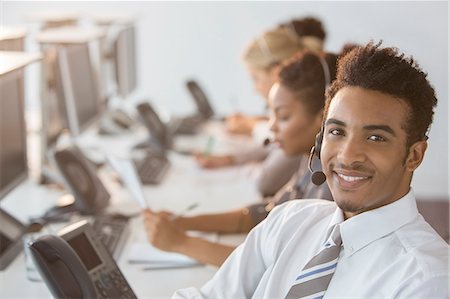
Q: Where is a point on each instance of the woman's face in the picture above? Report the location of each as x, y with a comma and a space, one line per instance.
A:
262, 80
294, 127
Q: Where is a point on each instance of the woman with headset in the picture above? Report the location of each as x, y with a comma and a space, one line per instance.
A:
263, 59
296, 102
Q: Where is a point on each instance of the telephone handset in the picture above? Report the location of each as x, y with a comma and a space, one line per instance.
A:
61, 268
77, 265
203, 104
81, 179
155, 126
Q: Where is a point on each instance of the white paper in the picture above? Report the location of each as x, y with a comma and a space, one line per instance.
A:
144, 253
127, 172
147, 254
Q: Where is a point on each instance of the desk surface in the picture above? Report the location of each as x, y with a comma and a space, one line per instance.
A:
10, 61
70, 35
184, 184
10, 32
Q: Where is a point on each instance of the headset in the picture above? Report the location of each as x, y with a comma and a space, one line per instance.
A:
318, 177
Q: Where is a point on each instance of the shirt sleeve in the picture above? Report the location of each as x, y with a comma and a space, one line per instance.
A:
259, 211
276, 170
256, 153
241, 273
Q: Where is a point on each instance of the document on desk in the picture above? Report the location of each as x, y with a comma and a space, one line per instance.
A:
144, 253
127, 172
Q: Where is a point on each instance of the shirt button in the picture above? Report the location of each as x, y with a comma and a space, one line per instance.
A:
350, 248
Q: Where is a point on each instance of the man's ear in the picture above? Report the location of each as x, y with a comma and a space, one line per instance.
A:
415, 155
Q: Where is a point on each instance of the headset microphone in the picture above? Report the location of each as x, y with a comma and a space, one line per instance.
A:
317, 177
267, 141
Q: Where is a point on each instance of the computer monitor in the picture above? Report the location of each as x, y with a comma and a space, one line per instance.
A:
78, 87
13, 162
13, 148
124, 52
54, 120
53, 115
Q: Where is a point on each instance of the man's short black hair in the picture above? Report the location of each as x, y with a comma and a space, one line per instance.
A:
390, 72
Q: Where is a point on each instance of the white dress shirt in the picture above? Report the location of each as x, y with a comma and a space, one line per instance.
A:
389, 252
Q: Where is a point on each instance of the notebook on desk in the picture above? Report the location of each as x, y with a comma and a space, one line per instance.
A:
128, 174
142, 252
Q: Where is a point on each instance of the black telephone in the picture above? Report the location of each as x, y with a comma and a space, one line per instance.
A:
80, 178
159, 134
77, 265
201, 100
11, 232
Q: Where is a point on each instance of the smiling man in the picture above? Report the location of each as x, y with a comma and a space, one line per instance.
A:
372, 242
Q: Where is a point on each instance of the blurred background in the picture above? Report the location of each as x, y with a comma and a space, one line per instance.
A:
177, 41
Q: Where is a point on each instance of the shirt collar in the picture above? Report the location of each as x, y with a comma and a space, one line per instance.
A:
364, 228
337, 218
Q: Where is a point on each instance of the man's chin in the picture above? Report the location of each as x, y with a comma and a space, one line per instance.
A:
347, 206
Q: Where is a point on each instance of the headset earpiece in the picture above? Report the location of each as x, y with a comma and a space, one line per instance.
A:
318, 143
317, 177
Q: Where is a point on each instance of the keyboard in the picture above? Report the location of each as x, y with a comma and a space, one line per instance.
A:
112, 231
152, 169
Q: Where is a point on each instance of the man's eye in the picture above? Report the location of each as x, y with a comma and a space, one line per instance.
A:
377, 138
336, 132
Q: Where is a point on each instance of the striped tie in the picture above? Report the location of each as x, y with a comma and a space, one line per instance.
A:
315, 277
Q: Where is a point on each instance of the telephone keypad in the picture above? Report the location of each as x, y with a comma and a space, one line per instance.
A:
113, 285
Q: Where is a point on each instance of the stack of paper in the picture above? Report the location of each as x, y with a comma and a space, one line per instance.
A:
144, 253
127, 172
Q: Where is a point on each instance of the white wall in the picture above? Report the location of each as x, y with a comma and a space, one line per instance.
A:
179, 40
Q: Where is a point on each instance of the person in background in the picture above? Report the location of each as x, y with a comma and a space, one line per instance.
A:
262, 59
371, 242
310, 31
296, 101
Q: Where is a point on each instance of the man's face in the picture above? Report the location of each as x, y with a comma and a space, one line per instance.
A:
293, 126
364, 153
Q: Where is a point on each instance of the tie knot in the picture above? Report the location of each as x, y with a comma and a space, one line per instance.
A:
335, 237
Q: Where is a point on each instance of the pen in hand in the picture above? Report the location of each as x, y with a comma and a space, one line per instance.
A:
209, 146
186, 210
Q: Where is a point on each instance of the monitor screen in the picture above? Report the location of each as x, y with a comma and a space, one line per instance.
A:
125, 61
13, 149
79, 85
85, 251
53, 108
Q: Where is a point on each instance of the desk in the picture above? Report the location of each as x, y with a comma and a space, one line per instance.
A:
185, 183
10, 60
12, 38
70, 35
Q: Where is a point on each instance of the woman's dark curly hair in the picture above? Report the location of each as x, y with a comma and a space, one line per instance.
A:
308, 26
392, 73
304, 76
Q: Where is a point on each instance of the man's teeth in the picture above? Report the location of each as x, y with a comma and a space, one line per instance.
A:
352, 178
